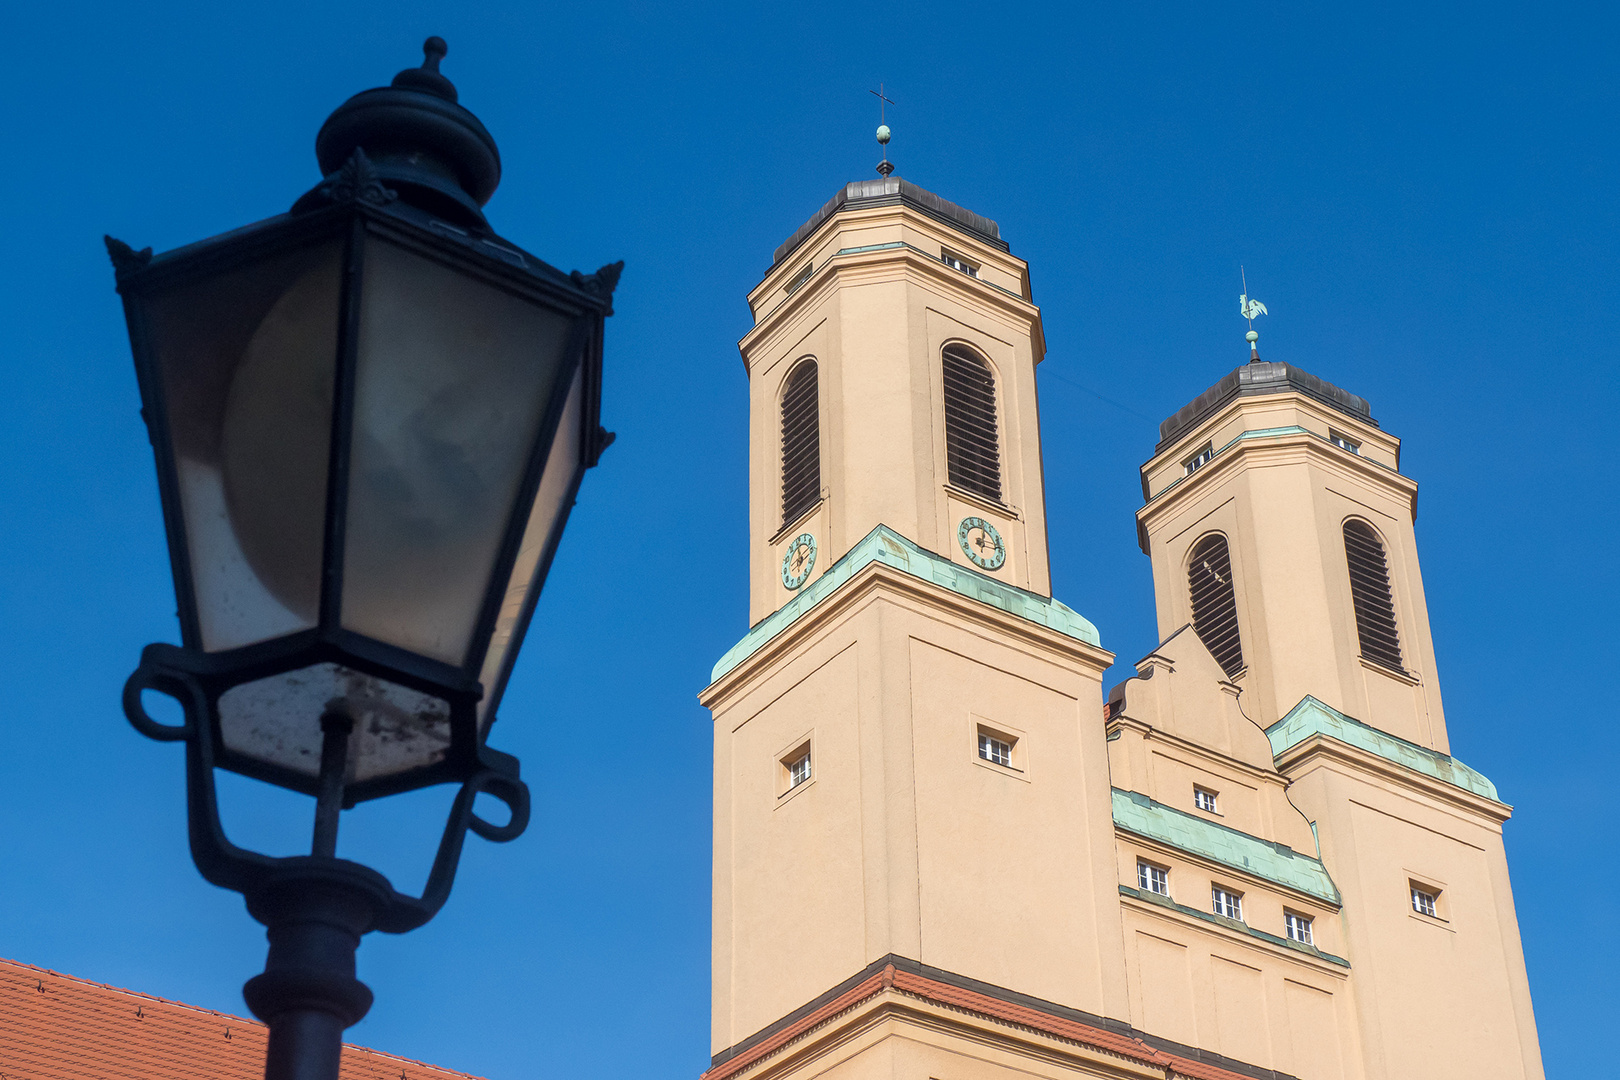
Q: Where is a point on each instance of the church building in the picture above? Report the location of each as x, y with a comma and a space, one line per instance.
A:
944, 850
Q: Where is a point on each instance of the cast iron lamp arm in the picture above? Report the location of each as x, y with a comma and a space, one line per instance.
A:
225, 864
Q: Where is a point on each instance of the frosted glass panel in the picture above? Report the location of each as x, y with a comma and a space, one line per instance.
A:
278, 720
561, 467
452, 382
247, 361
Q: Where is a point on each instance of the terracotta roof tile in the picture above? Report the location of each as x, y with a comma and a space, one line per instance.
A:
57, 1027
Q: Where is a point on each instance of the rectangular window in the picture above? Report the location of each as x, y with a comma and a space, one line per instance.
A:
1154, 879
798, 770
1424, 901
994, 749
1198, 460
1343, 442
1204, 799
1227, 903
800, 278
1298, 927
956, 262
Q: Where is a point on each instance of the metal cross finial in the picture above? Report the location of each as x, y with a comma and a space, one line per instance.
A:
1249, 309
884, 168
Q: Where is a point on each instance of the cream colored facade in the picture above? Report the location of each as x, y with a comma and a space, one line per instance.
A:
895, 896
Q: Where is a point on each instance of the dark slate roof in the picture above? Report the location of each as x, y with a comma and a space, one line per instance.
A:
890, 191
1262, 377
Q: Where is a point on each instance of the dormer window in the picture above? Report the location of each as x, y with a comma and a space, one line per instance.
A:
1198, 460
956, 262
1343, 442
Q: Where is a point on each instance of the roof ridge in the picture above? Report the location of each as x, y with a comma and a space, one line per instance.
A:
230, 1019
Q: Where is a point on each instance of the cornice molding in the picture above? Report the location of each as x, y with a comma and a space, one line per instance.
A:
885, 560
1164, 907
1125, 721
1313, 731
1268, 861
1270, 447
895, 987
897, 262
874, 214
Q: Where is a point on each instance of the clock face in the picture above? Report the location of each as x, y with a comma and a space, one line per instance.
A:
981, 543
799, 561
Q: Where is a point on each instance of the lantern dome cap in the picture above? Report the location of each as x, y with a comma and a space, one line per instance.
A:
419, 141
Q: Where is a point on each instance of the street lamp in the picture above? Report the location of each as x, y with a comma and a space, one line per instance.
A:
370, 416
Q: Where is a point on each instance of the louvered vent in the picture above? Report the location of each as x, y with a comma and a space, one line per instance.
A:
1214, 603
972, 449
801, 442
1369, 589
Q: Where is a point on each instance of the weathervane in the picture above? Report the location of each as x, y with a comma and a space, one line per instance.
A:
1249, 309
884, 168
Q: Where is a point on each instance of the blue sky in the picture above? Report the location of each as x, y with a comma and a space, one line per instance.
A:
1422, 194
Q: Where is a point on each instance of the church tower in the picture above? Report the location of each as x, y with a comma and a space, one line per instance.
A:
939, 854
910, 775
1285, 571
892, 382
1280, 525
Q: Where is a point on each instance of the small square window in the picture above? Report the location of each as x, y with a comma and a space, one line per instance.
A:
796, 768
1198, 460
1298, 927
1343, 442
956, 262
1204, 799
994, 749
1227, 903
1425, 901
1153, 879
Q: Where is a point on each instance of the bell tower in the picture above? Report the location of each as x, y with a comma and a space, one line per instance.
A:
910, 774
1281, 527
891, 372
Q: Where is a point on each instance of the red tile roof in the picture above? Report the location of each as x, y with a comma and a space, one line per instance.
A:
57, 1027
920, 986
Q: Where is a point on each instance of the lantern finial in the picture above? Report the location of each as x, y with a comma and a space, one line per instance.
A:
427, 78
420, 143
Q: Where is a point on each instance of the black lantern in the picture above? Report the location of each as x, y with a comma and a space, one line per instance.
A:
370, 417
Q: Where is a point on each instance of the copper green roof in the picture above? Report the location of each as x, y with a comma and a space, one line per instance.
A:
884, 545
1312, 717
1266, 859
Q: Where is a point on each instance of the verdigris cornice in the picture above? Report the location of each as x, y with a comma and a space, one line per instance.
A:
884, 545
1312, 717
1266, 859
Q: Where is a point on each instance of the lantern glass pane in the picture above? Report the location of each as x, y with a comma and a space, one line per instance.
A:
563, 466
454, 376
277, 720
246, 361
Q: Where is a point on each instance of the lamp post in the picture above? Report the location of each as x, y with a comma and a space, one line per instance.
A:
370, 417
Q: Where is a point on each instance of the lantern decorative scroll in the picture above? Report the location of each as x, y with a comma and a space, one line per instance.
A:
370, 418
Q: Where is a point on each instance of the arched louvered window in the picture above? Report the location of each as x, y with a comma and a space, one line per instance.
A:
972, 448
1214, 602
1369, 589
801, 441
